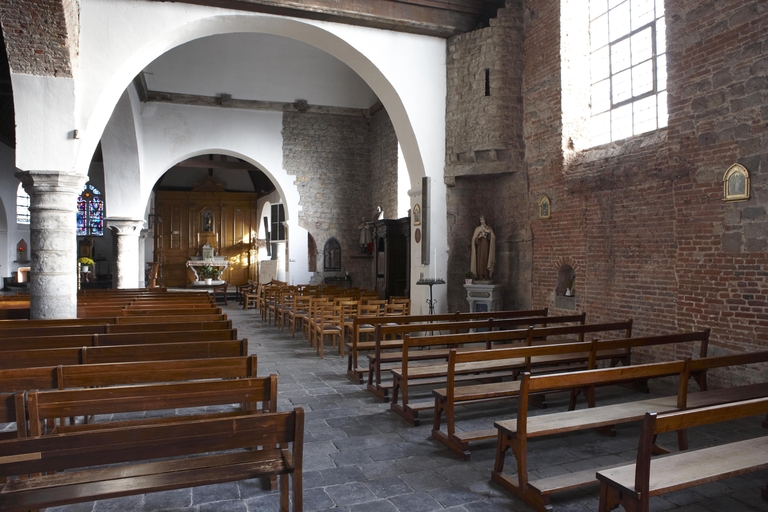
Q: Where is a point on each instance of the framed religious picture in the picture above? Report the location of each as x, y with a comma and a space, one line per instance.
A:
545, 207
207, 221
736, 183
416, 212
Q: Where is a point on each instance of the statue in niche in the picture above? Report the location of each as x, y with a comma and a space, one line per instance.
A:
483, 258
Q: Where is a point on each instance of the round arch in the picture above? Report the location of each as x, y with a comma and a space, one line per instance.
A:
155, 176
304, 30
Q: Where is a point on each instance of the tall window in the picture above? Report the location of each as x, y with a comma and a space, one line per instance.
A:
22, 206
628, 68
90, 212
277, 230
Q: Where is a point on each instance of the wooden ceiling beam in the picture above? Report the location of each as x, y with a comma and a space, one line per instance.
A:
440, 18
204, 163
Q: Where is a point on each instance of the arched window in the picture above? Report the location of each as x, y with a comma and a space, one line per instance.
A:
90, 212
22, 206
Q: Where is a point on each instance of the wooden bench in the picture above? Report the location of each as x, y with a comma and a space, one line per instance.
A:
91, 312
516, 433
102, 328
531, 359
215, 450
437, 372
105, 340
367, 324
633, 485
113, 374
122, 353
388, 342
56, 411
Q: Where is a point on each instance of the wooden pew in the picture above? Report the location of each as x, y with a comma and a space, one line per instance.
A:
157, 318
437, 372
113, 374
122, 353
91, 312
215, 450
516, 433
55, 411
384, 333
100, 328
105, 340
531, 359
632, 486
369, 323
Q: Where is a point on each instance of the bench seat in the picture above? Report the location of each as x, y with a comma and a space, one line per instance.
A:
109, 463
689, 468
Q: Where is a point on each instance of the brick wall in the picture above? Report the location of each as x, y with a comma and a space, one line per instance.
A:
642, 220
40, 36
345, 166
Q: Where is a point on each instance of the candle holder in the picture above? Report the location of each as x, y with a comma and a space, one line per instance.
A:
430, 282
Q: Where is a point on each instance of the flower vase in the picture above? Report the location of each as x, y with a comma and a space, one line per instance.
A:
208, 281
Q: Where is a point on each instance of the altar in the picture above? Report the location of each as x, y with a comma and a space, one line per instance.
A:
219, 262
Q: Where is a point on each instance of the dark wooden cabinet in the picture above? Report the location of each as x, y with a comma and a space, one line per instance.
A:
392, 256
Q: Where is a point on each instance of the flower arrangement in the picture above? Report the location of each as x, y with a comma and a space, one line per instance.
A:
208, 272
88, 262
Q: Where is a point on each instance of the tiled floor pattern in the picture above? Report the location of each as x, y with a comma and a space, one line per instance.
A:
359, 456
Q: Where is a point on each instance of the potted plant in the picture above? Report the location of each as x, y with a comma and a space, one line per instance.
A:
468, 277
85, 263
208, 273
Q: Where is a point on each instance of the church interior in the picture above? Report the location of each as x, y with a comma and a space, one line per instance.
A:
539, 159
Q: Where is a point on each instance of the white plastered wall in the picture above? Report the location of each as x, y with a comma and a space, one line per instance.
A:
118, 38
173, 133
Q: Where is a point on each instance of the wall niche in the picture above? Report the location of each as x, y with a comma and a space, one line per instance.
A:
565, 288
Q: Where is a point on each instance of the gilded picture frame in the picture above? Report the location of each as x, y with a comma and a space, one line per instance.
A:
736, 183
545, 207
416, 214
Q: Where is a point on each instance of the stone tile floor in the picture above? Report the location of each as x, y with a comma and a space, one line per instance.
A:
359, 456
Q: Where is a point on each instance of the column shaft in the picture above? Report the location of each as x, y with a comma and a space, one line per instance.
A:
53, 242
125, 233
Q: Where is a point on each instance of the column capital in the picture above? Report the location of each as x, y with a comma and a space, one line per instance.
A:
125, 227
51, 181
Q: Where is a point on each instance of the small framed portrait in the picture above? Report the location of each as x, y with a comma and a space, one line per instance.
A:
545, 207
736, 183
416, 213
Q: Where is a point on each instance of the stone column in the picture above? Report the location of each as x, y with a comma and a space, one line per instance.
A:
53, 241
125, 234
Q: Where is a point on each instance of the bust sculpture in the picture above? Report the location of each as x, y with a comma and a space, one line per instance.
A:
483, 257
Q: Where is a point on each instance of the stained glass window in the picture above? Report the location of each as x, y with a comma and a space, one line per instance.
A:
90, 212
22, 206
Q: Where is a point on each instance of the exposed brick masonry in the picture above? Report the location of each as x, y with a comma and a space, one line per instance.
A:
642, 220
40, 36
485, 170
339, 163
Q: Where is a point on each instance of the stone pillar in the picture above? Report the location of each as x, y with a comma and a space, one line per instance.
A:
125, 234
53, 241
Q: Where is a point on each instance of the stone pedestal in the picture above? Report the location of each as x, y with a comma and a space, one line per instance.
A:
125, 235
53, 242
484, 297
